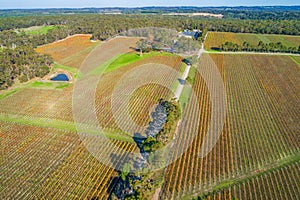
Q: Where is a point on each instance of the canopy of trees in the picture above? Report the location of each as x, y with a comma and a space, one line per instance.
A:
15, 44
22, 63
255, 12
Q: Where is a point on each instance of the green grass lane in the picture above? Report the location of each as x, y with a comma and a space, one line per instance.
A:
185, 95
61, 125
8, 93
296, 59
63, 67
48, 85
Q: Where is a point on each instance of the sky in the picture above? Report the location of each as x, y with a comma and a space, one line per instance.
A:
8, 4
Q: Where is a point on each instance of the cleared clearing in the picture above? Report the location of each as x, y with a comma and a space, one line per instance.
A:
38, 30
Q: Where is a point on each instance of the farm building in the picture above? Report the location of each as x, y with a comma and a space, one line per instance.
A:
191, 34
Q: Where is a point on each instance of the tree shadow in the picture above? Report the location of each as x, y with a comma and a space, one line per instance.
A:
181, 81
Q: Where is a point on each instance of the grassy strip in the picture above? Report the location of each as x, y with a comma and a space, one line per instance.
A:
61, 125
47, 85
212, 51
63, 67
10, 92
247, 177
175, 85
295, 60
185, 96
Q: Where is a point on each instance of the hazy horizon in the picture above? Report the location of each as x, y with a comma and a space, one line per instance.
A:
35, 4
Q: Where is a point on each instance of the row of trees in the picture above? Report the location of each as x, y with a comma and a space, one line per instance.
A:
141, 185
165, 135
260, 47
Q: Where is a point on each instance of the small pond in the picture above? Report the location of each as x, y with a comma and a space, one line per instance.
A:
60, 77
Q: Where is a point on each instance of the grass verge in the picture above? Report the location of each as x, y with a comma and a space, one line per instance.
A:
296, 60
61, 125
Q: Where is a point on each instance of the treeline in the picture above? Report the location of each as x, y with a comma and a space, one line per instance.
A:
21, 64
255, 12
13, 22
166, 134
262, 15
260, 47
103, 26
10, 38
106, 26
143, 183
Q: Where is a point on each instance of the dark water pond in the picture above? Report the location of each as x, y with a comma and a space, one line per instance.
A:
60, 77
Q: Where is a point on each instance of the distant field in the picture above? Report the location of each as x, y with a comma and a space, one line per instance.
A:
37, 30
70, 51
216, 39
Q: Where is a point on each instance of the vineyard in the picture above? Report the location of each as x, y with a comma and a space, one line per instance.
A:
47, 163
143, 98
70, 51
278, 184
57, 104
261, 128
256, 156
216, 39
41, 154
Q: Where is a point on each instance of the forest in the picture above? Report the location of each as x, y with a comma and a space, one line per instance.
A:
22, 64
254, 12
103, 27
